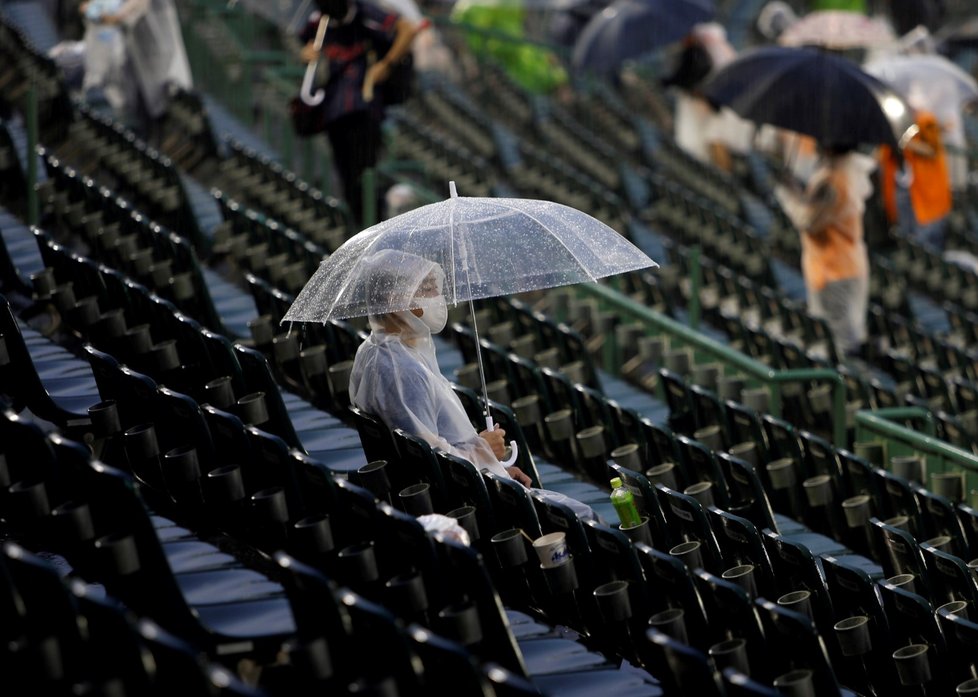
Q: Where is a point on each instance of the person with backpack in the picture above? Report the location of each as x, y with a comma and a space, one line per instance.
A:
366, 52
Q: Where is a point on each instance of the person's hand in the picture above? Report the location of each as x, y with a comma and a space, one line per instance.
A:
519, 475
308, 53
377, 73
496, 438
111, 20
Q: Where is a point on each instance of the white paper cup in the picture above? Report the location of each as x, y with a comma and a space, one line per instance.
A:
552, 549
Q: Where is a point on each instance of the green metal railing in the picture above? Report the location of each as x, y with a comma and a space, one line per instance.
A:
756, 373
912, 431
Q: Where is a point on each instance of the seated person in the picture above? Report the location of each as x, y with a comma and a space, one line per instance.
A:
395, 373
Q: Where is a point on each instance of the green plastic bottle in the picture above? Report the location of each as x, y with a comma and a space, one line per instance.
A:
624, 502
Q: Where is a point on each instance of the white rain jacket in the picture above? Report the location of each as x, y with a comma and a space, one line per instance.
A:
395, 373
156, 50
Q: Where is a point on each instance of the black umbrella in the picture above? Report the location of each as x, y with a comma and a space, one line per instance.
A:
812, 91
630, 28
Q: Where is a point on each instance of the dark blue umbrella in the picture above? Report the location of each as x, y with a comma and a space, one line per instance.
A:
812, 91
631, 28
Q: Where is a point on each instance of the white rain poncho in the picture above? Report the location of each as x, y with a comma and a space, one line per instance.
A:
395, 373
156, 50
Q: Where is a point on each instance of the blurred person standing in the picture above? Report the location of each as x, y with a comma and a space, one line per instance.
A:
917, 197
834, 259
710, 135
155, 54
362, 45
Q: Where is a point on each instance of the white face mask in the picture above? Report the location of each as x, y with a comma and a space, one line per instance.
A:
435, 312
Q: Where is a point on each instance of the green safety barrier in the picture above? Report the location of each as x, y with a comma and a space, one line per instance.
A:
705, 348
912, 431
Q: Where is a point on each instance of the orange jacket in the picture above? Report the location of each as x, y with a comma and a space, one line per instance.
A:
930, 190
836, 250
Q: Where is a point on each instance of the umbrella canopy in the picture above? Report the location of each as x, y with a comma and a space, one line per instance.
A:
812, 91
930, 82
630, 28
481, 248
486, 247
838, 29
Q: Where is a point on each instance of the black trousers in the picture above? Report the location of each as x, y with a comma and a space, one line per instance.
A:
356, 142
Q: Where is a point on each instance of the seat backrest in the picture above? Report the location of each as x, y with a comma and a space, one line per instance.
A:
675, 392
688, 517
375, 437
898, 549
19, 378
702, 466
910, 618
614, 559
415, 463
467, 567
319, 614
853, 591
732, 614
781, 438
661, 442
747, 493
962, 639
671, 586
682, 668
119, 514
259, 378
51, 613
858, 474
511, 504
899, 499
180, 422
941, 518
949, 577
708, 408
796, 569
449, 668
740, 543
743, 424
315, 483
794, 643
820, 456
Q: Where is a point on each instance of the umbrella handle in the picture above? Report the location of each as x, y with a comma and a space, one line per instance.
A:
305, 92
512, 444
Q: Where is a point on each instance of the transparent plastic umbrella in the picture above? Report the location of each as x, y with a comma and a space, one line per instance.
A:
928, 81
838, 29
486, 247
